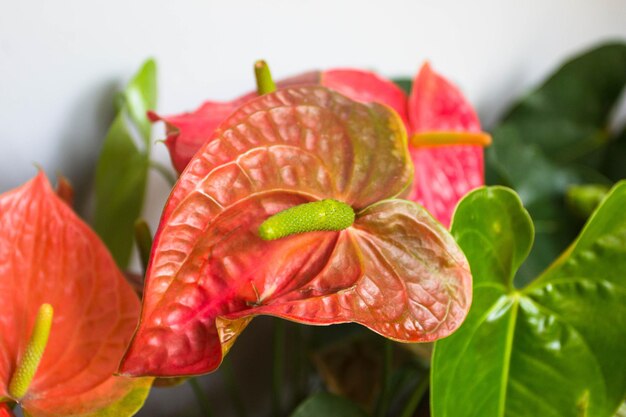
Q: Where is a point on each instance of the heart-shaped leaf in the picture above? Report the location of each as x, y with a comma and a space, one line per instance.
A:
324, 404
48, 255
553, 348
122, 170
395, 270
555, 137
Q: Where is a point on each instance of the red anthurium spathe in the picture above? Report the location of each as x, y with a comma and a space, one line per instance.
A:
51, 259
444, 170
5, 411
395, 270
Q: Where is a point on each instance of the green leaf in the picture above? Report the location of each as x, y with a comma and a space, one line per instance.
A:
324, 404
122, 170
614, 165
405, 84
555, 137
140, 96
554, 348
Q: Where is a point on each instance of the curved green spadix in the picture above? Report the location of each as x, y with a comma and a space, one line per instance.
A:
29, 362
264, 82
325, 215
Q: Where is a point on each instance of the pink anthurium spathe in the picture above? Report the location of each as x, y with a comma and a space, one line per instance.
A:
386, 264
447, 165
66, 313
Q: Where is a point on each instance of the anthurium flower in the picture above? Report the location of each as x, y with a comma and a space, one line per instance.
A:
66, 314
445, 139
308, 161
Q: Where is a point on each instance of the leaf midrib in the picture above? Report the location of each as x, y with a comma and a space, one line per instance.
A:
508, 350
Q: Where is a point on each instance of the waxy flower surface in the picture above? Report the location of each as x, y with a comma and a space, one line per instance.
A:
66, 314
447, 165
395, 270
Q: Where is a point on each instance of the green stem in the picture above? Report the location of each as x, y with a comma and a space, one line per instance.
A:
201, 397
264, 82
165, 172
416, 397
300, 366
231, 384
385, 392
29, 362
143, 238
279, 366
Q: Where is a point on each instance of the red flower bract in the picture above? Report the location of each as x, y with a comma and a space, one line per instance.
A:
443, 173
396, 270
48, 255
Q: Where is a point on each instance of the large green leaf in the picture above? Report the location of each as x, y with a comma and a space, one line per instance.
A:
122, 170
324, 404
553, 348
555, 137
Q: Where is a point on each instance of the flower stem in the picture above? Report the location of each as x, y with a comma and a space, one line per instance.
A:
164, 171
279, 366
201, 397
231, 384
416, 397
385, 392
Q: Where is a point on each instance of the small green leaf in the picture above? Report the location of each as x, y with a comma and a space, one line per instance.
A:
556, 137
141, 96
405, 84
546, 350
122, 170
324, 404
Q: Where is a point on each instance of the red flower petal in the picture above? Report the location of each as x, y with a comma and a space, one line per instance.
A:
48, 255
443, 174
5, 411
187, 132
396, 270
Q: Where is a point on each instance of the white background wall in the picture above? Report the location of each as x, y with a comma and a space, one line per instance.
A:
60, 61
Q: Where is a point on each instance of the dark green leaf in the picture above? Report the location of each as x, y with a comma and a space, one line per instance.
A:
324, 404
614, 165
122, 170
555, 137
554, 348
404, 83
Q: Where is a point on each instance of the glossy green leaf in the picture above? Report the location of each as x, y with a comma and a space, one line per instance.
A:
553, 348
561, 131
122, 170
141, 96
324, 404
